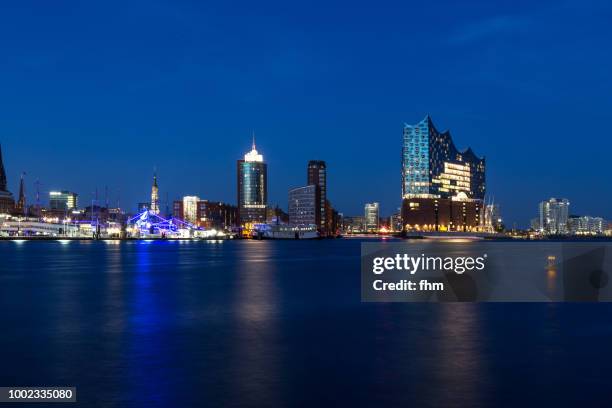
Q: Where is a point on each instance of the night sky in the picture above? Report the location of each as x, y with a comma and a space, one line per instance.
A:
95, 95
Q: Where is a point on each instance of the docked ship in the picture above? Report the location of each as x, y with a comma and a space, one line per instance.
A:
284, 231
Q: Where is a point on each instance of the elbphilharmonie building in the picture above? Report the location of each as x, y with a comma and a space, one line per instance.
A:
442, 187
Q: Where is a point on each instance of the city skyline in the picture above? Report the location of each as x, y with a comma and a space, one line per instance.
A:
85, 107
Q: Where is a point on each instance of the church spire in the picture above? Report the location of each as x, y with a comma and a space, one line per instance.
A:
155, 194
21, 202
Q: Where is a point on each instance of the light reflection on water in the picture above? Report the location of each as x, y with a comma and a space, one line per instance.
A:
274, 324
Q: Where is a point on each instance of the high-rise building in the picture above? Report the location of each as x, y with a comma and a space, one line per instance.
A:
432, 167
7, 203
63, 200
304, 205
252, 188
554, 216
155, 195
317, 175
585, 225
190, 209
20, 207
371, 217
442, 187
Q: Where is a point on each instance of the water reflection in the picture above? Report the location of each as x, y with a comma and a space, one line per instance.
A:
256, 358
459, 359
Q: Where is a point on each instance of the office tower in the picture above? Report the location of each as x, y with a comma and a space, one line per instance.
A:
553, 216
7, 203
190, 209
155, 195
304, 205
371, 217
63, 200
585, 225
20, 207
317, 175
252, 188
442, 187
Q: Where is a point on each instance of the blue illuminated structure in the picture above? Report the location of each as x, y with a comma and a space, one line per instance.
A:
149, 223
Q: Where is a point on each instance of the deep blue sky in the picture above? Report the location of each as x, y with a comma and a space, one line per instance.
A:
99, 94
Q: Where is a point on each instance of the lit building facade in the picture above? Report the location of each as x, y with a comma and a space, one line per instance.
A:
371, 217
317, 175
216, 215
442, 187
304, 203
554, 216
7, 203
441, 214
63, 200
585, 225
190, 209
252, 188
432, 167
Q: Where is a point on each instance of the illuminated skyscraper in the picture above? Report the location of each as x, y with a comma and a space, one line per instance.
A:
155, 195
252, 188
7, 203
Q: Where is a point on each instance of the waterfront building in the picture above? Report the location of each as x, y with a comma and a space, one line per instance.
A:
441, 186
190, 209
155, 195
252, 186
432, 167
371, 217
317, 175
29, 227
554, 216
353, 224
20, 206
585, 225
441, 214
7, 203
63, 200
304, 203
216, 215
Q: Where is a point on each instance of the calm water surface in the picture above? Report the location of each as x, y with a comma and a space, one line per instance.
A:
273, 323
